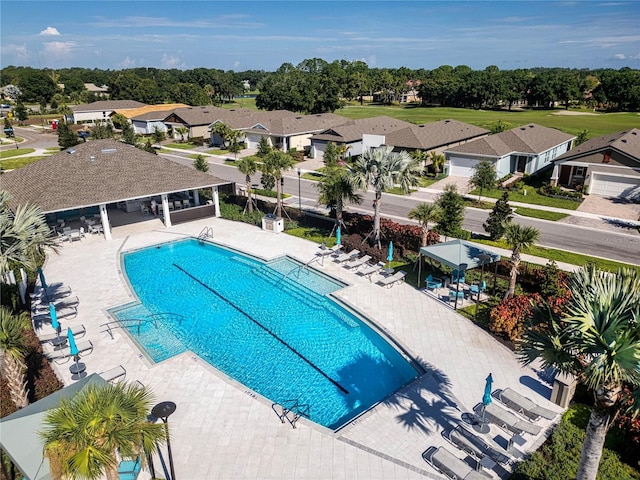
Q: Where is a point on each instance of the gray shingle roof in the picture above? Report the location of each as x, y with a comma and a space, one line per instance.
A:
106, 105
626, 142
117, 172
433, 135
530, 138
352, 130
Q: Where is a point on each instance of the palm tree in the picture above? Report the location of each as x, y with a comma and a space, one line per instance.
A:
598, 341
274, 164
437, 160
13, 349
518, 238
24, 234
381, 168
248, 166
335, 188
425, 213
182, 131
84, 435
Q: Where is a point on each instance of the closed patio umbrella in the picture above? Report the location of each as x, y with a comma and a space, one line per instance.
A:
43, 282
54, 318
73, 348
486, 398
338, 236
390, 252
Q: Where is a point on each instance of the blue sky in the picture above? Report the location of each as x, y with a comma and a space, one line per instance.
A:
242, 35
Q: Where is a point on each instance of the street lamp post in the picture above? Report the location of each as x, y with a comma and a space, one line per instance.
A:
162, 411
299, 194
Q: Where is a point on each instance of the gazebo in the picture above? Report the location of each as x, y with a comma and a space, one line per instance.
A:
460, 255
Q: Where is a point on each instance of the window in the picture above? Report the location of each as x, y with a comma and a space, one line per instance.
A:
579, 171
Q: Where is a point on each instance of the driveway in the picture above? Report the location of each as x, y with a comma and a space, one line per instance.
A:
462, 183
610, 207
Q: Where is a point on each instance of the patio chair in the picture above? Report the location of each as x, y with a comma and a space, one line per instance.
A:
456, 293
357, 262
347, 256
75, 236
114, 373
329, 251
433, 283
129, 469
457, 276
59, 355
390, 281
523, 405
369, 270
186, 203
78, 331
475, 445
506, 420
478, 289
449, 465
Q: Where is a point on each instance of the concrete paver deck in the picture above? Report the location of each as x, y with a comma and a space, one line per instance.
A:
222, 429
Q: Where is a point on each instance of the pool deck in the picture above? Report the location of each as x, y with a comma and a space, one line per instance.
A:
222, 430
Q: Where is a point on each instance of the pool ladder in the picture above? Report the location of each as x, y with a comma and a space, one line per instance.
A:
205, 233
291, 407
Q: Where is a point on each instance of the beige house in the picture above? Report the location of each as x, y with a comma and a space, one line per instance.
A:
608, 166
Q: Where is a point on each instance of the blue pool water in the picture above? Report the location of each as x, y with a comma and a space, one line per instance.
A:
270, 326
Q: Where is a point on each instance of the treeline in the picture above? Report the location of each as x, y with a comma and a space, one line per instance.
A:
317, 86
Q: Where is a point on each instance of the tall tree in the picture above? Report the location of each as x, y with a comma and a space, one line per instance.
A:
451, 205
13, 349
596, 339
336, 189
437, 160
263, 147
381, 168
248, 167
66, 137
500, 215
424, 213
330, 155
483, 176
275, 164
86, 435
200, 163
518, 238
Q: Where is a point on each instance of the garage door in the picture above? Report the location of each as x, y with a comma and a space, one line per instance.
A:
461, 167
613, 186
253, 140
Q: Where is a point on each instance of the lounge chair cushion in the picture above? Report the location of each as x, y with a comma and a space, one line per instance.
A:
446, 462
524, 405
389, 282
347, 256
507, 420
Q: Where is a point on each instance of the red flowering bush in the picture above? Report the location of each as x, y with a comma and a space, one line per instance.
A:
508, 317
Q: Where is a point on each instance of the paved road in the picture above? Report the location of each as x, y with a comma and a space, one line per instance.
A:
616, 246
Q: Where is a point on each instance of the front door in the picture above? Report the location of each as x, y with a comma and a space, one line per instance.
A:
521, 164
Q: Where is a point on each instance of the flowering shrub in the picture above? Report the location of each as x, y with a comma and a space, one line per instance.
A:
508, 317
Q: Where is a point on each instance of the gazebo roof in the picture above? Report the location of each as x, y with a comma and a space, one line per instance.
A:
459, 252
20, 438
99, 171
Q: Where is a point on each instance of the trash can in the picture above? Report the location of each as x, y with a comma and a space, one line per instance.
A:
564, 386
272, 223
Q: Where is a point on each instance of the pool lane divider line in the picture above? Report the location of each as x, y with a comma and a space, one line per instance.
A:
212, 290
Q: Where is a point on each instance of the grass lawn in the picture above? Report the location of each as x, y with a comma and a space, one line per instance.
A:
542, 214
13, 163
399, 191
218, 151
562, 256
315, 176
53, 149
598, 124
532, 197
470, 202
181, 146
16, 152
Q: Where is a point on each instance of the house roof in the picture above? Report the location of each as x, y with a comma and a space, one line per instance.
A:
352, 130
156, 111
433, 135
99, 171
104, 105
92, 87
197, 116
530, 138
626, 142
20, 438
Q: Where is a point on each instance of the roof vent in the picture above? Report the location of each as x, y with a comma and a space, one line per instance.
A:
421, 126
71, 150
298, 118
109, 150
447, 121
205, 111
92, 158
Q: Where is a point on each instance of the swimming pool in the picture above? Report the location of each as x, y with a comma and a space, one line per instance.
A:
271, 326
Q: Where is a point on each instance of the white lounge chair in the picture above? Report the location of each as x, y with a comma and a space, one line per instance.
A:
357, 262
506, 420
329, 251
65, 354
78, 331
369, 270
523, 405
475, 445
113, 374
347, 256
390, 281
448, 464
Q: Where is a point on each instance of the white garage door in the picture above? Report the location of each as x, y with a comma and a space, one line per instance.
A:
253, 140
461, 167
613, 186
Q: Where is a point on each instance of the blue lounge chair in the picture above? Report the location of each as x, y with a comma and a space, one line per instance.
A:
433, 283
129, 469
456, 293
457, 277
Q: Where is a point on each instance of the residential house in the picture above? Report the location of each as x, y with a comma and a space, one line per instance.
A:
521, 150
608, 166
146, 119
358, 135
101, 110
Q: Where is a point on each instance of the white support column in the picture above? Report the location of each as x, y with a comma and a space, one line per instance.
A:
196, 197
104, 218
165, 210
555, 175
216, 201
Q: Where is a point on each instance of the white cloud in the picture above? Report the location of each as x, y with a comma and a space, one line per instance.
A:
619, 56
236, 64
49, 31
18, 51
371, 60
58, 49
169, 61
127, 63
